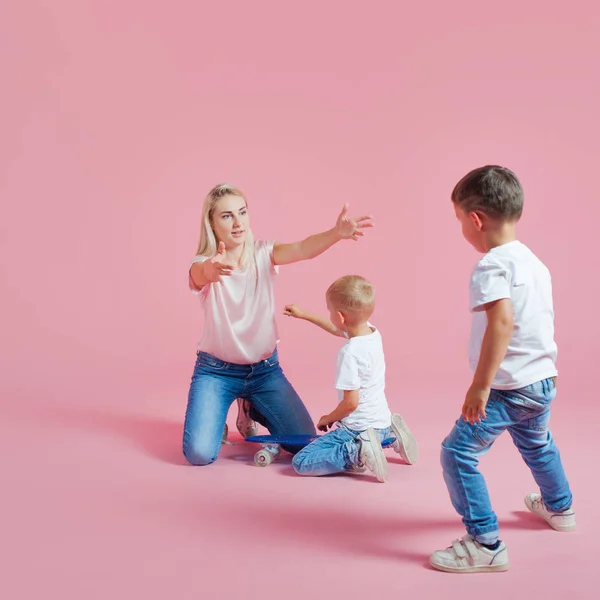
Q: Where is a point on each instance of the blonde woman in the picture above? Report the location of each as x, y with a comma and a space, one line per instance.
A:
237, 355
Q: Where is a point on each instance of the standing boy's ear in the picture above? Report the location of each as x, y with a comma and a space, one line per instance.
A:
477, 219
342, 317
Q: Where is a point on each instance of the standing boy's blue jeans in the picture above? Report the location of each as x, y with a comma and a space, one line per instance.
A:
216, 384
526, 414
335, 452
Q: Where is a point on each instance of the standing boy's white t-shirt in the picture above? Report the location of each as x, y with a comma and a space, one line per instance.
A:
361, 366
513, 271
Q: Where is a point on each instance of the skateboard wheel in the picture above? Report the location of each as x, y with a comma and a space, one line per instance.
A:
263, 458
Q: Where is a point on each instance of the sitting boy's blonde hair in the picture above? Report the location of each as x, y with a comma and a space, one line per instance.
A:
353, 296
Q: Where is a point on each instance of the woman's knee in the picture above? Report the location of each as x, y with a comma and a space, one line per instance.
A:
199, 454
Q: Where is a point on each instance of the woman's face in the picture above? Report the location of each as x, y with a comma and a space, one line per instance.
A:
230, 221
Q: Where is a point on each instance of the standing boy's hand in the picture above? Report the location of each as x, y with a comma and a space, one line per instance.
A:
495, 342
473, 409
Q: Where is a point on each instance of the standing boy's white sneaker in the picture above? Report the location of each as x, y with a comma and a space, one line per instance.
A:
562, 521
371, 454
469, 556
245, 425
405, 444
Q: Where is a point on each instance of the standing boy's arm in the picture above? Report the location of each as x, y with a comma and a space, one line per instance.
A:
346, 407
493, 350
293, 310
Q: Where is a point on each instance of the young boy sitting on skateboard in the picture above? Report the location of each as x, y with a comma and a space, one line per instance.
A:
362, 416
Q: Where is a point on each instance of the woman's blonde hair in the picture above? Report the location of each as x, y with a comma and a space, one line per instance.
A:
208, 244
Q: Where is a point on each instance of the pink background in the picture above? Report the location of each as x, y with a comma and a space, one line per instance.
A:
116, 118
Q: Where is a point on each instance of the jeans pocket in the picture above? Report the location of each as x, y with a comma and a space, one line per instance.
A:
526, 401
540, 422
485, 433
211, 362
273, 360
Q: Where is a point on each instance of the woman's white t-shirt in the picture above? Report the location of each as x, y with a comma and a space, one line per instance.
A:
239, 314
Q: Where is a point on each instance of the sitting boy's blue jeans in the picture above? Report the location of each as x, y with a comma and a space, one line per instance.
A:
526, 414
335, 452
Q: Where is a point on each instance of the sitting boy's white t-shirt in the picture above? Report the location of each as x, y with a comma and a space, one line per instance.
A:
361, 366
513, 271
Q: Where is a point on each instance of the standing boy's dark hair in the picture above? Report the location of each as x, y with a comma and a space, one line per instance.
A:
493, 190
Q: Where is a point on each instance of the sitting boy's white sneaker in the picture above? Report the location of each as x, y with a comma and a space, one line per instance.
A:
469, 556
358, 468
245, 425
405, 444
562, 521
371, 454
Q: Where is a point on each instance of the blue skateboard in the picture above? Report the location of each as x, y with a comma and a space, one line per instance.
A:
271, 445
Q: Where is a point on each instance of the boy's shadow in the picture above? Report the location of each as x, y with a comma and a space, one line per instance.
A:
525, 520
342, 530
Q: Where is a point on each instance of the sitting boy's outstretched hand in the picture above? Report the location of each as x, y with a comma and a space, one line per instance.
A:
293, 310
473, 409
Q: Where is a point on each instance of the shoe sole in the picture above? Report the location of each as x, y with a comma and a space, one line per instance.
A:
381, 465
482, 569
409, 449
561, 528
